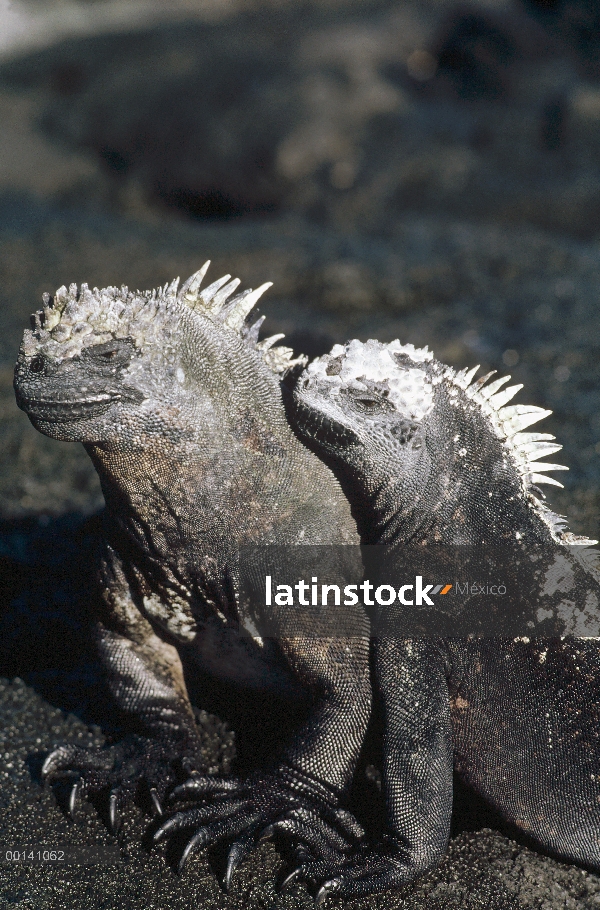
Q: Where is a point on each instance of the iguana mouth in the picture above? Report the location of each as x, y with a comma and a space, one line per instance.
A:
55, 410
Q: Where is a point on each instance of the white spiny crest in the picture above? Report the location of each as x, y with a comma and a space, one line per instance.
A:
359, 362
76, 318
525, 448
509, 421
216, 301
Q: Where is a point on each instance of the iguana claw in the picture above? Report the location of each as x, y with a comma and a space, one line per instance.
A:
330, 887
290, 879
196, 842
113, 812
73, 799
237, 854
156, 803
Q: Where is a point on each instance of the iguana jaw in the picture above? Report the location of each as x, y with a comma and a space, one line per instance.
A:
55, 411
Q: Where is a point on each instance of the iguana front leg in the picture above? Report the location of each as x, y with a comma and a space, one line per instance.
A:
299, 796
145, 677
417, 774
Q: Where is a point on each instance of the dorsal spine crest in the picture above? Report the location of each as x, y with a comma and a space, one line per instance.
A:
69, 309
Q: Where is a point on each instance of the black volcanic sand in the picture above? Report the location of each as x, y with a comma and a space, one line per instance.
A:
459, 211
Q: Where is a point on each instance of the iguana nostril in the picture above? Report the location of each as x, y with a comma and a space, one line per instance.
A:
37, 364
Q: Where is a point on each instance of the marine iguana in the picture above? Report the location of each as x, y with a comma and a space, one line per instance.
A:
427, 454
179, 407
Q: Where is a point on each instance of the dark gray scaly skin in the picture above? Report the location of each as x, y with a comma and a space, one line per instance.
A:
425, 454
180, 410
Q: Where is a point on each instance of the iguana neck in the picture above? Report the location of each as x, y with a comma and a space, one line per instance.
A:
468, 491
190, 495
381, 509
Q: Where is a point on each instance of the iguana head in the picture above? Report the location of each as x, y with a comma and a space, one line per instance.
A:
363, 402
415, 436
109, 364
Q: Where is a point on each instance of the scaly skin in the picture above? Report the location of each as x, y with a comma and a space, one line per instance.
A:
427, 456
180, 411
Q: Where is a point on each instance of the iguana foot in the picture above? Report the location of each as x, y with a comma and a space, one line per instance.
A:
120, 772
282, 803
369, 870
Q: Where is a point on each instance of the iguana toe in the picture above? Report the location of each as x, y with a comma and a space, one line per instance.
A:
383, 866
202, 815
200, 785
68, 760
314, 833
367, 871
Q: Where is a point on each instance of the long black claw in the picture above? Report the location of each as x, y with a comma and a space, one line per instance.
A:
237, 854
156, 804
198, 840
325, 890
113, 813
53, 760
291, 879
73, 799
46, 767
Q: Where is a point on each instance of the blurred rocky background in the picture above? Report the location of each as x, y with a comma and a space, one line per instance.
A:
428, 170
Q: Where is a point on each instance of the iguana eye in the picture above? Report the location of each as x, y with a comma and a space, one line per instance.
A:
118, 352
367, 404
37, 364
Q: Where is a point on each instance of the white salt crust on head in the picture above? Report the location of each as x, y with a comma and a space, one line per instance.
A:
78, 318
409, 389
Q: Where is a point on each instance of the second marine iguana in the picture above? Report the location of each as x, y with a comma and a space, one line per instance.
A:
179, 407
427, 454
